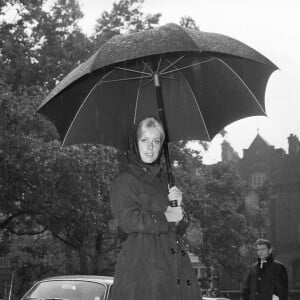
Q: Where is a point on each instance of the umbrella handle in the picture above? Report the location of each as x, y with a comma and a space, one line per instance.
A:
162, 117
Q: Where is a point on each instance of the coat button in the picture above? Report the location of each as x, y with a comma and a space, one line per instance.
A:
178, 281
173, 251
188, 282
182, 253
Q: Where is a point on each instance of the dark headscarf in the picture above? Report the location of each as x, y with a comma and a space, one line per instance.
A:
133, 153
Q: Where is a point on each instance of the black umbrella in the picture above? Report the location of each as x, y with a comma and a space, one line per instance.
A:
195, 82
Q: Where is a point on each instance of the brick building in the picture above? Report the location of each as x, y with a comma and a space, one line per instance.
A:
262, 162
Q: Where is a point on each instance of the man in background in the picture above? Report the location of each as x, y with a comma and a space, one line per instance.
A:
267, 278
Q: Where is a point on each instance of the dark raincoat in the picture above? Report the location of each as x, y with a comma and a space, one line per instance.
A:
153, 263
262, 283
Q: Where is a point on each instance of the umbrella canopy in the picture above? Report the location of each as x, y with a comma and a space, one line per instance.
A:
203, 81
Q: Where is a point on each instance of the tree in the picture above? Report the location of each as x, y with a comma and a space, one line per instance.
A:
45, 188
21, 134
39, 47
225, 229
126, 16
188, 22
77, 208
33, 260
219, 231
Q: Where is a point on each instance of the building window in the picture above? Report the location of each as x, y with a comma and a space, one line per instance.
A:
50, 259
203, 272
263, 233
296, 274
4, 289
258, 179
200, 271
196, 270
4, 262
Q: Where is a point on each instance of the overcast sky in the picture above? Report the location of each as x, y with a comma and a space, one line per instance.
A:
272, 27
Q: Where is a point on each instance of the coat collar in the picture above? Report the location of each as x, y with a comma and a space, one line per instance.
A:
145, 171
265, 264
269, 259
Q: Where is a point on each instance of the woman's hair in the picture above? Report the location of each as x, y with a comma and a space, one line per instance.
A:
151, 122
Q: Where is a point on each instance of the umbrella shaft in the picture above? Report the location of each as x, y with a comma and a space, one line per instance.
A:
160, 105
156, 80
162, 117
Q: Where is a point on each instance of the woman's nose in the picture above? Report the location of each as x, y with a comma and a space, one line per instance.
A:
150, 146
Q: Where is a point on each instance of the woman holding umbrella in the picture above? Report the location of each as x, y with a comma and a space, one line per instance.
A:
153, 263
207, 81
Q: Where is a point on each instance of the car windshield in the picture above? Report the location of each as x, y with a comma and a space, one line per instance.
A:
68, 289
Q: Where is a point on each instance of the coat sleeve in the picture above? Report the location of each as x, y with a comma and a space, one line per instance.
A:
127, 210
182, 225
246, 287
281, 289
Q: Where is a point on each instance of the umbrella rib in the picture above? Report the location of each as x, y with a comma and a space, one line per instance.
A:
148, 82
77, 113
168, 77
197, 104
83, 102
147, 66
172, 64
189, 66
134, 71
243, 82
137, 99
159, 63
165, 77
125, 79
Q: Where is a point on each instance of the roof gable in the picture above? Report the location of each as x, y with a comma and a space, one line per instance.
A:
259, 143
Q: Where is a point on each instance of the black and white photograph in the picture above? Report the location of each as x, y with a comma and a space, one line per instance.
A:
149, 150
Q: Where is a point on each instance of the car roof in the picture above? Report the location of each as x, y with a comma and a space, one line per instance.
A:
91, 278
214, 298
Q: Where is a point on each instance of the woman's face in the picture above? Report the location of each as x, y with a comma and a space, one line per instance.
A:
149, 143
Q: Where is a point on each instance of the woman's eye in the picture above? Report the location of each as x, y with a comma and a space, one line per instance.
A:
157, 142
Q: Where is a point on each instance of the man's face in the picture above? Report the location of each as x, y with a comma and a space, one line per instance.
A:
263, 251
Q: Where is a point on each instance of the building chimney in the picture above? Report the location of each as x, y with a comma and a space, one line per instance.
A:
228, 153
294, 144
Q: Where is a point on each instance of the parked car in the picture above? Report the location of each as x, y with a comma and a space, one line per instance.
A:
213, 298
71, 287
